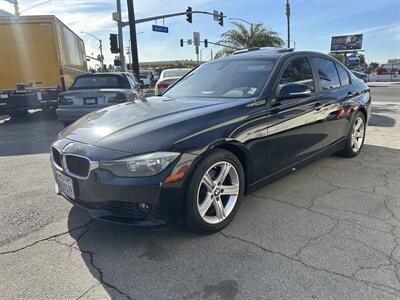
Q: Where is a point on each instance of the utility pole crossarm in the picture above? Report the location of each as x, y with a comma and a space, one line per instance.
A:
138, 21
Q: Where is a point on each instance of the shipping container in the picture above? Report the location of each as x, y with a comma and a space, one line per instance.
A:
39, 58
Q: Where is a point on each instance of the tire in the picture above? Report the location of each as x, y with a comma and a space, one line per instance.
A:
353, 148
208, 191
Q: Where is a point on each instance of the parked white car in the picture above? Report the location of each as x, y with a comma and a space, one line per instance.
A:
168, 77
146, 77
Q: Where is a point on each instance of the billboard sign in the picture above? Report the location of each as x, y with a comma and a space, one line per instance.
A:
346, 42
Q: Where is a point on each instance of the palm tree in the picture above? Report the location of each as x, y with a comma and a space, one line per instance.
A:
242, 38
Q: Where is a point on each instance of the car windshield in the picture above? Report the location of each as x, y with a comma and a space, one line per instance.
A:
175, 72
224, 78
99, 81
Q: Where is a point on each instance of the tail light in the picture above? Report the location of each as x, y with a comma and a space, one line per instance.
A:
162, 85
119, 98
64, 101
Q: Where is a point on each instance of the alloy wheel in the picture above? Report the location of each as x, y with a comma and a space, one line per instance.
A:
357, 136
218, 192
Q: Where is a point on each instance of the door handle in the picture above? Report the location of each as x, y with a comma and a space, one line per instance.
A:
350, 95
318, 105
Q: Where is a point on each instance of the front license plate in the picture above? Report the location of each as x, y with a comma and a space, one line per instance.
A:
65, 184
90, 101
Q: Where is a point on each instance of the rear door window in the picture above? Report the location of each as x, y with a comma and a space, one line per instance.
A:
298, 71
327, 73
344, 76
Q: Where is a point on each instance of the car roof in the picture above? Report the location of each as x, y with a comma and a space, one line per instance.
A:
104, 73
175, 69
269, 53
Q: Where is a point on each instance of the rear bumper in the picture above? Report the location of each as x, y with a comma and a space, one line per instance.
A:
18, 100
73, 114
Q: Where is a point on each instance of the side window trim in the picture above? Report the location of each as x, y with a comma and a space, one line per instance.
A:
316, 72
338, 65
284, 66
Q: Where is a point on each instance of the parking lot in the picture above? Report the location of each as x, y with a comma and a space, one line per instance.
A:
328, 231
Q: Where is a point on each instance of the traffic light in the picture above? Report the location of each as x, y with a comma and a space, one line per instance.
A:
205, 43
181, 42
189, 14
114, 43
221, 19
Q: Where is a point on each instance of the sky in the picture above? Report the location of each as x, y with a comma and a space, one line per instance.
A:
313, 23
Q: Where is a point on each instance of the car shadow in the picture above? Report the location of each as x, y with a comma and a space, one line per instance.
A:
171, 262
31, 134
379, 117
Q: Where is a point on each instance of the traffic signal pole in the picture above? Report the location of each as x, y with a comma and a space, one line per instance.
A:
132, 25
120, 38
134, 50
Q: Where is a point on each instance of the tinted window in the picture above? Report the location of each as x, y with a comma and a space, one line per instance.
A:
175, 72
100, 81
298, 71
232, 78
344, 76
327, 73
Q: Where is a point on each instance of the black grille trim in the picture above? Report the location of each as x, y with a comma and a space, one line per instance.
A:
56, 157
77, 165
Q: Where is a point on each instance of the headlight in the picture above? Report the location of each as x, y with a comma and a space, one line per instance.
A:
141, 165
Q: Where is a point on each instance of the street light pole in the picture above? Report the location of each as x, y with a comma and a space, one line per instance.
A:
239, 19
16, 6
100, 48
288, 22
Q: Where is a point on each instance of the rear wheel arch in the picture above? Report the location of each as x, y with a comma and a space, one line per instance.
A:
364, 112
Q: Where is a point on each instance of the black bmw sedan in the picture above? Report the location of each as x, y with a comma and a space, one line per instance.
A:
225, 129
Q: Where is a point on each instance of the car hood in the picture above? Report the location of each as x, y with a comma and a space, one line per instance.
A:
143, 126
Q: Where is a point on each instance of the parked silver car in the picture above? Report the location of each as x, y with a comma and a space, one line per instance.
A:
90, 92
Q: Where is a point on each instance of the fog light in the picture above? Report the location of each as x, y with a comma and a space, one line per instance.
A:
144, 207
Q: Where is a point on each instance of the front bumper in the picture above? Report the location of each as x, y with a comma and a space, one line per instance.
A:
118, 200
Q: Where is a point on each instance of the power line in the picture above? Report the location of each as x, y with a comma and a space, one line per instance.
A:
36, 5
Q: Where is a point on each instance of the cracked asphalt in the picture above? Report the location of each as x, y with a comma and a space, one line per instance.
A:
328, 231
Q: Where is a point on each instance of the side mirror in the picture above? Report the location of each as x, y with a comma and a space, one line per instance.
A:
293, 90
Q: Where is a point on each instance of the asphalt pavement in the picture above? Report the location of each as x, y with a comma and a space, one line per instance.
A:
328, 231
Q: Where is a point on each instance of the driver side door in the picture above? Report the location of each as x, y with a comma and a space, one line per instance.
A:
295, 132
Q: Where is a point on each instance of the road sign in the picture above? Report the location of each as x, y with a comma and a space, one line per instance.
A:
159, 28
189, 41
353, 59
196, 38
216, 15
116, 17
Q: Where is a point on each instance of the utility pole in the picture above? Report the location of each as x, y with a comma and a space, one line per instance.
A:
134, 50
288, 22
120, 38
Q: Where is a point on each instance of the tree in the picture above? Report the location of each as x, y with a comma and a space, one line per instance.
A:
242, 38
339, 56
